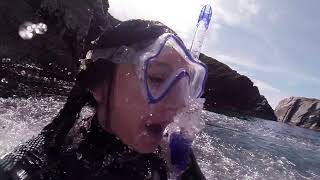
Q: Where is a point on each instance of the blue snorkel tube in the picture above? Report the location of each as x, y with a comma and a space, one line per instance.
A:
180, 142
202, 27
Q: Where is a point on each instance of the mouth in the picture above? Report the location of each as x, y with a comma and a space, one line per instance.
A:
154, 130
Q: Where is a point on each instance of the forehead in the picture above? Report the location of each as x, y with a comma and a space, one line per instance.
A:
170, 56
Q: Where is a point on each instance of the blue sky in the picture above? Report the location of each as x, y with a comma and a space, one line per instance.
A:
273, 42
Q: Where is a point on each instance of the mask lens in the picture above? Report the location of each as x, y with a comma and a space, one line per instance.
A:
170, 69
164, 70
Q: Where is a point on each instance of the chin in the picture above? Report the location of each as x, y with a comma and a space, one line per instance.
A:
147, 148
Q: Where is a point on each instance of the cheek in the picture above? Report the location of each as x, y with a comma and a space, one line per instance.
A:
128, 106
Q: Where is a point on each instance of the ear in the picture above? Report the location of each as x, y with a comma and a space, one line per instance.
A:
99, 92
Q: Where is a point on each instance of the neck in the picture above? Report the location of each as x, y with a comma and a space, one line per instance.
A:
105, 142
103, 117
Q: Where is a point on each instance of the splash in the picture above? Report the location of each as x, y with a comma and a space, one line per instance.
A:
29, 30
4, 80
188, 120
228, 148
21, 119
184, 129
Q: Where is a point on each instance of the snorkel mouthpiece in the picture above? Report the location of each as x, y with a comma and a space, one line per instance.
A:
180, 150
182, 132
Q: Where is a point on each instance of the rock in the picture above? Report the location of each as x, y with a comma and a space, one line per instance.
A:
53, 56
72, 25
230, 93
299, 111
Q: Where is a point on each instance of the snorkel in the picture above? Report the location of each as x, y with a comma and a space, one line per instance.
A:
188, 123
202, 27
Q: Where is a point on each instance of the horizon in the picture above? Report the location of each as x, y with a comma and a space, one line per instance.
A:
258, 39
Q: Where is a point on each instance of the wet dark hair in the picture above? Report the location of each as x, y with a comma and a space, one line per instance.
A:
126, 33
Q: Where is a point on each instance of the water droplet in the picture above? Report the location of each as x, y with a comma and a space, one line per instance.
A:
93, 42
149, 174
69, 73
41, 28
54, 79
23, 73
3, 80
25, 31
148, 122
79, 156
144, 133
22, 174
83, 65
5, 60
33, 26
28, 30
50, 64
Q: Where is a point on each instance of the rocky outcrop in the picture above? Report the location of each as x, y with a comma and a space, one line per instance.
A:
230, 93
299, 111
72, 25
47, 63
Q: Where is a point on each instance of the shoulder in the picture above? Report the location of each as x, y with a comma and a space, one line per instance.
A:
158, 165
28, 159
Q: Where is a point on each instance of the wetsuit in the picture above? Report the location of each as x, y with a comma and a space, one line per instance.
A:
98, 155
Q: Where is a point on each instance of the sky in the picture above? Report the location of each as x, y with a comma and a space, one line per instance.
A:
273, 42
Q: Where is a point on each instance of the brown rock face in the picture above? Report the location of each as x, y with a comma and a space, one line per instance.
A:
230, 93
299, 111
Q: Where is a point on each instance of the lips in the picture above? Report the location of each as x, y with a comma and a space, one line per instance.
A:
154, 130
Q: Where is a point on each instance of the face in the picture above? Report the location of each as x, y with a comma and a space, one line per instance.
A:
136, 122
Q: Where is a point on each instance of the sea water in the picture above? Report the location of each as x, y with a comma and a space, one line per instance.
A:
227, 148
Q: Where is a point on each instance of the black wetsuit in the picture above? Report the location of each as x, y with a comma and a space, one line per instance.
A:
99, 155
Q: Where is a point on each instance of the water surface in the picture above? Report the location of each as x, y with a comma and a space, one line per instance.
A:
228, 148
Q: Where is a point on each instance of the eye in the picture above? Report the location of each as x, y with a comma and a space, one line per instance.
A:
156, 79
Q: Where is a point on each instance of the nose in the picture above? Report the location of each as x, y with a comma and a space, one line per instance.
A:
177, 96
173, 102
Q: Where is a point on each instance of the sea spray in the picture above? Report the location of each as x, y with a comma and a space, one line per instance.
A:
177, 145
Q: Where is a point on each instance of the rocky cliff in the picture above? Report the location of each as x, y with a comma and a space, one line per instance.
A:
48, 63
72, 25
230, 93
299, 111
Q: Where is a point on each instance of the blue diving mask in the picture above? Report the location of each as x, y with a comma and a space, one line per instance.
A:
164, 67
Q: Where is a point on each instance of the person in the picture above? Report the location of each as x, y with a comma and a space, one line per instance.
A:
137, 77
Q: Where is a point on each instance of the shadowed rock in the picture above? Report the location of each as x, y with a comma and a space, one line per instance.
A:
72, 25
299, 111
49, 61
230, 93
